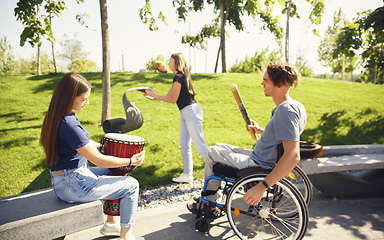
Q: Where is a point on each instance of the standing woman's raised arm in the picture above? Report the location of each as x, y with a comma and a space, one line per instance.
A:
171, 97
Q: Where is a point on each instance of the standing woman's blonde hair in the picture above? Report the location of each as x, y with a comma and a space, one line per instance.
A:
67, 89
181, 66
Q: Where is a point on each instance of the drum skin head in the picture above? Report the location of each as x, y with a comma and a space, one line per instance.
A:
124, 138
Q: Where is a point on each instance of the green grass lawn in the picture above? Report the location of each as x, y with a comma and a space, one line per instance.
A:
339, 113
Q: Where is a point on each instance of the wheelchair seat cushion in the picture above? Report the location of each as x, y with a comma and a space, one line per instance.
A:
225, 171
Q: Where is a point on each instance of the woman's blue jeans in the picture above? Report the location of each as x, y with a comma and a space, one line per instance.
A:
191, 130
85, 184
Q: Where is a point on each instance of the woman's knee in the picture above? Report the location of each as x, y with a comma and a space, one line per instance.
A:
135, 183
131, 184
132, 188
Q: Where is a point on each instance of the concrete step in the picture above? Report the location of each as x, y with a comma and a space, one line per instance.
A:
42, 215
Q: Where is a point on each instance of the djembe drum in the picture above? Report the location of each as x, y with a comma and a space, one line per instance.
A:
123, 146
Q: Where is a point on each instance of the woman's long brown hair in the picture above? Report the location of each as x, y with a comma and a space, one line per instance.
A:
181, 66
69, 86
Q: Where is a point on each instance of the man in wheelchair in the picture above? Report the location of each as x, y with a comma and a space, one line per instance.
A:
285, 126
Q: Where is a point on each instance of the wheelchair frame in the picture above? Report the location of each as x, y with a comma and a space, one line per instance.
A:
282, 213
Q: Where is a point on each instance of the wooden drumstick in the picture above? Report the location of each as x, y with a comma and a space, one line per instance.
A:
243, 111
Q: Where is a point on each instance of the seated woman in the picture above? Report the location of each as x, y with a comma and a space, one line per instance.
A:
68, 148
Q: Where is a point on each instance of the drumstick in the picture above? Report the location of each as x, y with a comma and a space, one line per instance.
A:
243, 111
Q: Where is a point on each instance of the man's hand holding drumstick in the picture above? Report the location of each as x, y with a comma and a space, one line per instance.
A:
256, 128
252, 127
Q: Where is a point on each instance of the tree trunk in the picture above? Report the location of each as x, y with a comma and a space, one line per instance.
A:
287, 33
222, 36
217, 58
54, 57
53, 45
343, 68
38, 61
106, 86
38, 46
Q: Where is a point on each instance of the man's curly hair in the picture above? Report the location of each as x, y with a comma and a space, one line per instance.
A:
285, 73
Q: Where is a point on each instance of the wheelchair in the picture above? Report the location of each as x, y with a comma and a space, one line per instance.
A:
281, 214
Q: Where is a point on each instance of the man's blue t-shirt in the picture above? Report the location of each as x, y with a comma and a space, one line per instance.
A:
286, 124
70, 136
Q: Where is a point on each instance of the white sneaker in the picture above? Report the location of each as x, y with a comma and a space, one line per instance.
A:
183, 178
110, 229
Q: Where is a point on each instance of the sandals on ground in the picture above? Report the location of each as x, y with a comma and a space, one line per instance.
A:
195, 209
214, 211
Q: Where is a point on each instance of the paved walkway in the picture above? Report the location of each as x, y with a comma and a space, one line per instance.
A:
344, 218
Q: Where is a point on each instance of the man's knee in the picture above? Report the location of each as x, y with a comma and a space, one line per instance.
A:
211, 153
220, 144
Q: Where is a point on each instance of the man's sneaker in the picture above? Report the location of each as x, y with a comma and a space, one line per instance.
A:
110, 229
184, 178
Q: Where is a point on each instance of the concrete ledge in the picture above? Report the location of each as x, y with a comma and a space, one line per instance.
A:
42, 215
345, 158
341, 150
343, 163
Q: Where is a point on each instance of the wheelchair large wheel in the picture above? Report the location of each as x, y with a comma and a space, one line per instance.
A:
301, 181
281, 214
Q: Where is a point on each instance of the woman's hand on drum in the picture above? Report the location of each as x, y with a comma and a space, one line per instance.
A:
97, 145
138, 158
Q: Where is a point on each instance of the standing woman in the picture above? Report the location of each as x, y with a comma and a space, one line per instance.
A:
68, 146
191, 119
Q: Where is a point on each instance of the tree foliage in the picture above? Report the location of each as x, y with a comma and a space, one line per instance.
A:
83, 66
365, 35
36, 25
257, 63
72, 49
328, 45
7, 59
199, 40
146, 16
232, 12
303, 66
46, 64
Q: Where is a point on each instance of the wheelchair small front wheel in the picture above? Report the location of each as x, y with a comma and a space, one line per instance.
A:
201, 224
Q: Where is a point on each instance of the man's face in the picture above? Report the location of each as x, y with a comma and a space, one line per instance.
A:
269, 87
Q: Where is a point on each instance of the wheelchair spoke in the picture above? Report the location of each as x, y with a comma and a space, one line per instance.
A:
286, 223
276, 230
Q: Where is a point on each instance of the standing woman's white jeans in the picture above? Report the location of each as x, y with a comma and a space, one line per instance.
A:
191, 130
